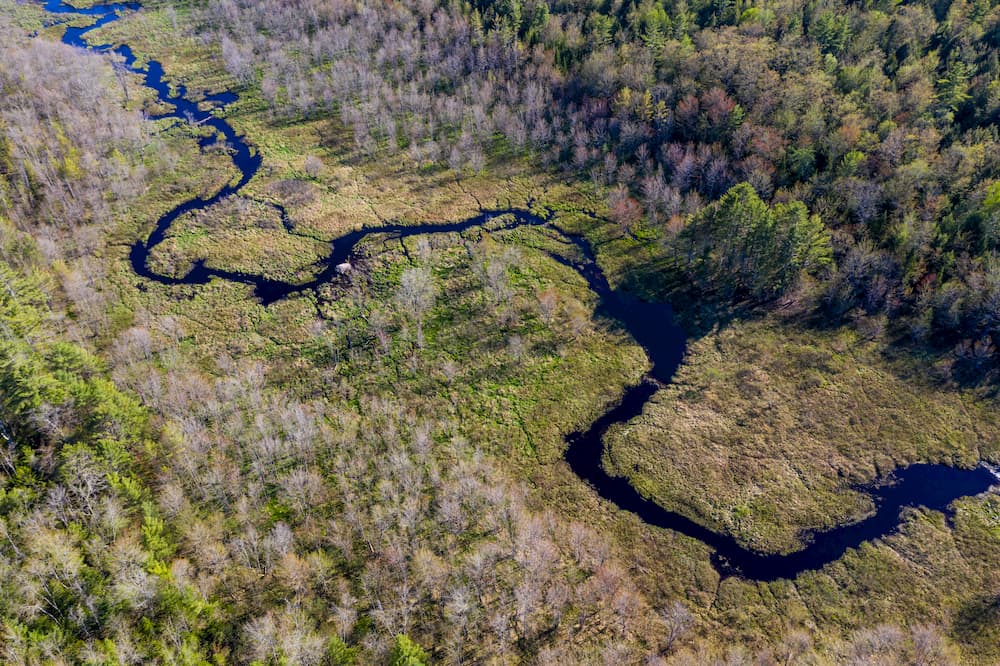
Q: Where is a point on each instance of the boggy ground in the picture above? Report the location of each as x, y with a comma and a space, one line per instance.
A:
767, 425
756, 437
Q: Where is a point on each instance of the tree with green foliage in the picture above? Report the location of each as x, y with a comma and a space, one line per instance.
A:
743, 248
832, 30
953, 86
74, 454
405, 652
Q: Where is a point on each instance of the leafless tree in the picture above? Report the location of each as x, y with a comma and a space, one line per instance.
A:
678, 621
416, 295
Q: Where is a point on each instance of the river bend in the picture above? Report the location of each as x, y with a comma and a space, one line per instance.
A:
651, 324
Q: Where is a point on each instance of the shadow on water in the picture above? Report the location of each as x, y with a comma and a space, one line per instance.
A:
651, 324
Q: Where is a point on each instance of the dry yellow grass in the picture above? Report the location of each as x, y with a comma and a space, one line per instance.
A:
752, 438
239, 234
767, 426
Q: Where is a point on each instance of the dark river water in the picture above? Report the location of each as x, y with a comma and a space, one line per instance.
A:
651, 324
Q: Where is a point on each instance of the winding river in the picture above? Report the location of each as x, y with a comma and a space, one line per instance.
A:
651, 324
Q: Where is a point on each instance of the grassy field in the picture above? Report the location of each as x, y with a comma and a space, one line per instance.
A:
764, 430
345, 193
767, 426
30, 17
238, 234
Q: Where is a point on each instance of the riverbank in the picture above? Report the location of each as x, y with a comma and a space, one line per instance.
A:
513, 383
768, 425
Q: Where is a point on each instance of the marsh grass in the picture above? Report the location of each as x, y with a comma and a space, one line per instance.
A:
762, 434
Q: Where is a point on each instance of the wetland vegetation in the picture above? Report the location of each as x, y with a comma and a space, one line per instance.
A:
317, 316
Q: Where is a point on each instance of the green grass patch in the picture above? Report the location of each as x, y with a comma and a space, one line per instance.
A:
767, 426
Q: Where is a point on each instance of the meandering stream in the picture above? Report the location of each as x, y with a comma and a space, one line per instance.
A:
651, 324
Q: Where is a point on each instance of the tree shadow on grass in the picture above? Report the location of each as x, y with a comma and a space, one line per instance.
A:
977, 623
660, 279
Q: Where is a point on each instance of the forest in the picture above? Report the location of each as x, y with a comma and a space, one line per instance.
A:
879, 117
373, 468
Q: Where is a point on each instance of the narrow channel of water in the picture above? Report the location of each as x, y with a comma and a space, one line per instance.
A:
651, 324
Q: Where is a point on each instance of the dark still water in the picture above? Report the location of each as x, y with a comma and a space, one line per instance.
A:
651, 324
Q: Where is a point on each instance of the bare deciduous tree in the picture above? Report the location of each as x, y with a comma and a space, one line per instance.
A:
416, 296
678, 621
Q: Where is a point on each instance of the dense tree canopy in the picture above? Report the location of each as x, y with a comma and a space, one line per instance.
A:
879, 117
164, 502
59, 162
741, 245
